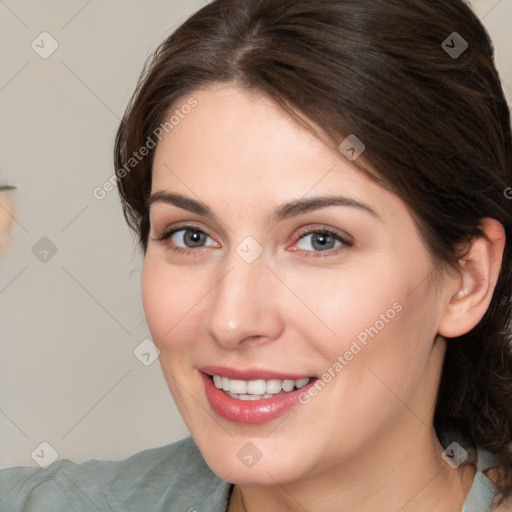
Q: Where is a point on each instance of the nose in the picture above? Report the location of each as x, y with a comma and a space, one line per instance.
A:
244, 306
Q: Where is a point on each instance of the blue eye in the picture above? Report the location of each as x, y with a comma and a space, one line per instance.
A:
321, 241
313, 242
188, 238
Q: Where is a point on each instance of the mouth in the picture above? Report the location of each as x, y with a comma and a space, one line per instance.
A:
259, 397
259, 389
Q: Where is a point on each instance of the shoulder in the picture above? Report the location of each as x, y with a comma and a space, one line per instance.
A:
483, 492
152, 479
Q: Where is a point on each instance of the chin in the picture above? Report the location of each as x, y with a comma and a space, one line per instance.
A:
240, 461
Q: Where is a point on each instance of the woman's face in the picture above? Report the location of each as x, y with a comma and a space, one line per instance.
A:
285, 263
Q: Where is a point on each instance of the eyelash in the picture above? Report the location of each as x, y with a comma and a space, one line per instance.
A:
317, 231
345, 242
181, 250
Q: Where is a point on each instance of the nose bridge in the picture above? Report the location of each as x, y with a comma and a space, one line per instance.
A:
242, 304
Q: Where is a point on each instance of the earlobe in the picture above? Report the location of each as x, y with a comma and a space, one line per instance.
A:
479, 271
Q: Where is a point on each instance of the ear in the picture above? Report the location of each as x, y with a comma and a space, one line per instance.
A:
471, 291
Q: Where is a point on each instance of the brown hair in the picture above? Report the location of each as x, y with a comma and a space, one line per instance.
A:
436, 128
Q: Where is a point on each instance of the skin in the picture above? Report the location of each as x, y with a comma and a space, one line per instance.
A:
366, 441
6, 212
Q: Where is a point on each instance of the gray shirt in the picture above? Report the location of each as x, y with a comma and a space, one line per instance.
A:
172, 478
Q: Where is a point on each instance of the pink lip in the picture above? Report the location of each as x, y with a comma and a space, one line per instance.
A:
250, 373
251, 412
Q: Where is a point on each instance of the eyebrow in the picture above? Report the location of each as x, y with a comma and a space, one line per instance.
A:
285, 211
181, 202
301, 206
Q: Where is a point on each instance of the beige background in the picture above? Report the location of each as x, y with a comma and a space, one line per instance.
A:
69, 325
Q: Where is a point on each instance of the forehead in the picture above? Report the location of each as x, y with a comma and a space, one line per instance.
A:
243, 147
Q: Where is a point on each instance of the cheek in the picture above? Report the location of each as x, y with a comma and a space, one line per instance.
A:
374, 313
171, 306
337, 306
378, 357
385, 348
170, 301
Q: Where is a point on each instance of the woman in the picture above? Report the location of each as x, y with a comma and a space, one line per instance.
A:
318, 187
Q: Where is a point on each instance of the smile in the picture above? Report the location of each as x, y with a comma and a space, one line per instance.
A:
257, 389
252, 396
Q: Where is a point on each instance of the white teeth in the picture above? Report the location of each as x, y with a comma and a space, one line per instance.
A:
257, 389
239, 387
301, 383
273, 386
288, 385
244, 397
248, 397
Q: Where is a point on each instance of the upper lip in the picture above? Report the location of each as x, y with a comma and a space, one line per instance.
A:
251, 373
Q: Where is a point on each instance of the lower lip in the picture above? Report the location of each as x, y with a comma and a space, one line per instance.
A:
252, 412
